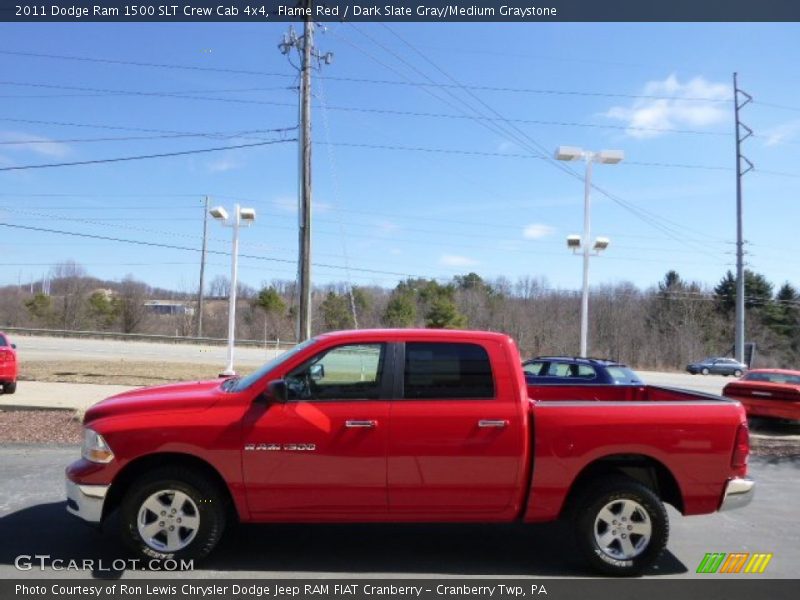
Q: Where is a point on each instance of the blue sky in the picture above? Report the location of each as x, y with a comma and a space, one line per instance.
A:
381, 212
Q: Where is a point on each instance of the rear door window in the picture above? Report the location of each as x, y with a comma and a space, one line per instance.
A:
447, 370
560, 369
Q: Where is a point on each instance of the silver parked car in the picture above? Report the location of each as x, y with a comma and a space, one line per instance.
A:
717, 366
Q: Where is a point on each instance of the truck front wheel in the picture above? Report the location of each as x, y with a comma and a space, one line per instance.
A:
621, 526
172, 513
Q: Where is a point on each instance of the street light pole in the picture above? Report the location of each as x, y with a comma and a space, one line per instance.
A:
587, 211
200, 294
236, 221
584, 242
241, 217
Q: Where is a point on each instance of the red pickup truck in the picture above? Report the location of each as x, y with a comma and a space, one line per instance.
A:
406, 425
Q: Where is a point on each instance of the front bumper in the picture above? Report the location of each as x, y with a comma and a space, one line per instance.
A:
739, 492
86, 501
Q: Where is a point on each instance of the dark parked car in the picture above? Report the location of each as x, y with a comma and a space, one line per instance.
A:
717, 366
574, 370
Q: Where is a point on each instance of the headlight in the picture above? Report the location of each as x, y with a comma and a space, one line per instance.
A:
94, 448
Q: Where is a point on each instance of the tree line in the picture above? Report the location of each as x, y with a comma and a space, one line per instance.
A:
661, 327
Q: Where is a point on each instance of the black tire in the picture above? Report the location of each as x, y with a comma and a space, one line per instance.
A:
206, 502
704, 371
737, 373
10, 388
588, 525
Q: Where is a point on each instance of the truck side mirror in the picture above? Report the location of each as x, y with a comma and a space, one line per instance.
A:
277, 391
317, 372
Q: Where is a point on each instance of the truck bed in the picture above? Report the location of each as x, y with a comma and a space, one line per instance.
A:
615, 393
689, 435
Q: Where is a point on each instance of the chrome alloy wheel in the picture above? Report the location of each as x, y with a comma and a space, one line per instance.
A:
168, 521
622, 529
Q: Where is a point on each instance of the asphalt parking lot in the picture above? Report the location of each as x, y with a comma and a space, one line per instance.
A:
33, 521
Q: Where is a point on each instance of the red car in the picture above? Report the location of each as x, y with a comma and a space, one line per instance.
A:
406, 425
9, 368
768, 393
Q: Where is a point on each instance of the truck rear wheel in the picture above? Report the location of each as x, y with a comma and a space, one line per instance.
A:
172, 513
10, 388
621, 526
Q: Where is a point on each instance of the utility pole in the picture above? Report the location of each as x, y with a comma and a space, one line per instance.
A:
202, 272
740, 290
304, 323
305, 47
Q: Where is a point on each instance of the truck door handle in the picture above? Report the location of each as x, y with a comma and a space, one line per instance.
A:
492, 423
355, 423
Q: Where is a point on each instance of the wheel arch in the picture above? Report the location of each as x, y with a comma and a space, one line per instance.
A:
642, 468
141, 465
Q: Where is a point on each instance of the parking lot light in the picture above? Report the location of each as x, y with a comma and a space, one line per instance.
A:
576, 243
242, 217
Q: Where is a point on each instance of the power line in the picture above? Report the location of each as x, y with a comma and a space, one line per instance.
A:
428, 84
772, 105
40, 216
143, 156
218, 134
187, 95
170, 136
112, 92
131, 63
188, 248
517, 132
103, 94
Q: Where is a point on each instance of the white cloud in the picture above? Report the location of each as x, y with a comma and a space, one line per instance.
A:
506, 147
454, 260
645, 115
782, 133
386, 227
537, 231
34, 143
223, 164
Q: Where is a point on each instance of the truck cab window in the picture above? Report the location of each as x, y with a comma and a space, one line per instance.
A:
349, 372
442, 370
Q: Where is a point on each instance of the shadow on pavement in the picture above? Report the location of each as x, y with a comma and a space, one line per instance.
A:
349, 549
773, 427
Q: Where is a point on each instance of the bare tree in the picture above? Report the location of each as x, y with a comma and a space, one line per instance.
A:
131, 304
71, 283
220, 287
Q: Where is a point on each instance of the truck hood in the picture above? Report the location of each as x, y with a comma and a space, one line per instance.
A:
176, 397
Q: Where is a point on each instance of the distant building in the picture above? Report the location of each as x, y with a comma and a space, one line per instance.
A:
107, 294
168, 307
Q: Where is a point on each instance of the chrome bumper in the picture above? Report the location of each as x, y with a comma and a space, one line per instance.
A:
86, 501
739, 492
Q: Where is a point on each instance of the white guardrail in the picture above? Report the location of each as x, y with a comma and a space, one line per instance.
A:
146, 337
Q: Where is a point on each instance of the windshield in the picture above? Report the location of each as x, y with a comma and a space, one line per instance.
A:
623, 375
238, 384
